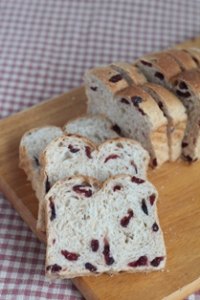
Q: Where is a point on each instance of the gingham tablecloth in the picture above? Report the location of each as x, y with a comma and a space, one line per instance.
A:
45, 47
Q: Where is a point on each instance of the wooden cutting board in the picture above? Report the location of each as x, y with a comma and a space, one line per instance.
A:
179, 208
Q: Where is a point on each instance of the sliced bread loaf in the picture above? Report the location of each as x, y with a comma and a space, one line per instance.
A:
94, 229
138, 116
175, 113
72, 155
97, 128
159, 68
187, 88
32, 144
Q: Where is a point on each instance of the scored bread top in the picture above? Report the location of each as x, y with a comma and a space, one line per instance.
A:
174, 106
183, 58
130, 72
145, 104
165, 65
195, 54
110, 78
188, 82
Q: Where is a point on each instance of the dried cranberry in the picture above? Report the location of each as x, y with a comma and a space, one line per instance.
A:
112, 156
183, 94
146, 63
184, 144
70, 255
159, 75
54, 268
154, 162
183, 85
144, 207
72, 149
53, 210
117, 188
53, 242
196, 60
93, 88
94, 245
88, 151
90, 267
82, 189
125, 101
106, 252
115, 78
136, 100
137, 180
134, 165
155, 227
152, 198
36, 161
156, 261
142, 261
125, 220
47, 185
141, 111
116, 128
160, 104
188, 158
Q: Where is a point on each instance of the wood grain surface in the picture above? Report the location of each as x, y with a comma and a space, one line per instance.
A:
179, 208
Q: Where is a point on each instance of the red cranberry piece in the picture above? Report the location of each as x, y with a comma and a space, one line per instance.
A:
152, 198
160, 104
115, 78
93, 88
53, 210
134, 166
36, 161
156, 261
83, 189
54, 268
183, 85
184, 144
136, 100
117, 188
47, 185
72, 149
159, 75
94, 245
137, 180
88, 151
188, 158
117, 129
196, 60
70, 255
125, 101
183, 94
106, 252
125, 220
154, 162
53, 242
112, 156
144, 207
146, 63
142, 261
90, 267
155, 227
141, 111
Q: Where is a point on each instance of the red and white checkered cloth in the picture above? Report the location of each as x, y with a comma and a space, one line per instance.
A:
45, 47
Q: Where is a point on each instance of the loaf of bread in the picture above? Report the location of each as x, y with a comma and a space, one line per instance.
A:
72, 155
97, 128
187, 88
175, 113
94, 229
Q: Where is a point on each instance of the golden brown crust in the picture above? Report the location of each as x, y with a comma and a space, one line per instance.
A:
195, 54
183, 58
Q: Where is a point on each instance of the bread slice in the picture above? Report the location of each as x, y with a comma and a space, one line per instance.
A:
175, 113
183, 58
138, 117
195, 54
102, 83
159, 68
32, 143
97, 128
131, 73
187, 88
75, 155
94, 229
